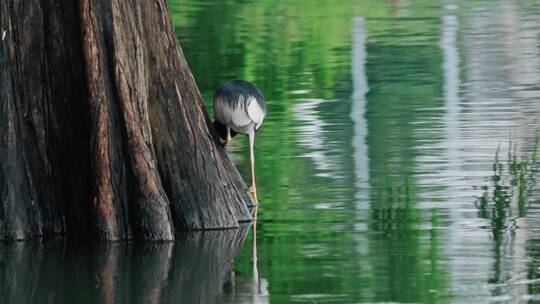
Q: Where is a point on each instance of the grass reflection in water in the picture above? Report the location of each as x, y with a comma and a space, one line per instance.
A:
507, 194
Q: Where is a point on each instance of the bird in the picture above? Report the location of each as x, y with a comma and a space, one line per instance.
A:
239, 107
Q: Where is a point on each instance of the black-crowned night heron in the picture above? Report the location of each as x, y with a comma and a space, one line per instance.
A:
239, 107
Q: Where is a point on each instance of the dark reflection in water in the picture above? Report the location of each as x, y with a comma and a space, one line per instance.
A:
194, 269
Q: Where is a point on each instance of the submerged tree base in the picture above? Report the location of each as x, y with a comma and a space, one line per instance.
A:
103, 132
194, 269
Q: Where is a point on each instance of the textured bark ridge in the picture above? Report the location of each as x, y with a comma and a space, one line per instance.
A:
102, 128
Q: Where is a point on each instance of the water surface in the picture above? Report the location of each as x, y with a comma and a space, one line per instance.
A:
384, 121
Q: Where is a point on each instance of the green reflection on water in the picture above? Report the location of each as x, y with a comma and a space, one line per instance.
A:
329, 231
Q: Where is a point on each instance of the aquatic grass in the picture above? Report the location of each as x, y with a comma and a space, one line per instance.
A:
505, 197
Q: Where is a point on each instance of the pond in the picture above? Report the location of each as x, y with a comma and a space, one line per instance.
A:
383, 125
396, 164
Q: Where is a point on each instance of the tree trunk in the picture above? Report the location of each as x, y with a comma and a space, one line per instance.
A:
103, 132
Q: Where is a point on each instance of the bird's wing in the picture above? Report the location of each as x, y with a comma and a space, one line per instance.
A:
255, 112
239, 117
229, 114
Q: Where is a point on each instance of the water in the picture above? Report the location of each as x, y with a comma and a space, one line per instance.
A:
384, 121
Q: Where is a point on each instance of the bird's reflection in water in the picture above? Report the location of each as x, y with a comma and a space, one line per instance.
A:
251, 288
197, 268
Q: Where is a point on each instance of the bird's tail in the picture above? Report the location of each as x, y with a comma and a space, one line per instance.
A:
222, 130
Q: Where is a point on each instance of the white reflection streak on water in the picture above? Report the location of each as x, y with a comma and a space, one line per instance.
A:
520, 51
500, 104
259, 285
311, 132
361, 161
467, 246
514, 264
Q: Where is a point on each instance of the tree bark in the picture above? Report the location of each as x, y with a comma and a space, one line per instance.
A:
103, 132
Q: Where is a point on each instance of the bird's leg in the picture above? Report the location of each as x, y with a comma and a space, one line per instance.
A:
252, 188
256, 287
229, 138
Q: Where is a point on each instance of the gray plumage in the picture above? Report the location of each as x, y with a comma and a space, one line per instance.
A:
240, 106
